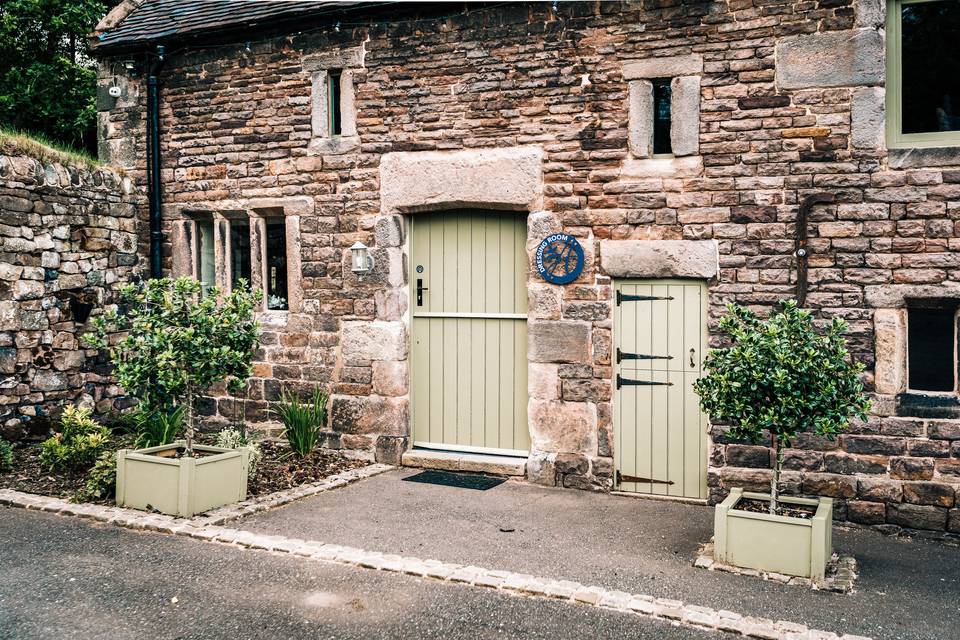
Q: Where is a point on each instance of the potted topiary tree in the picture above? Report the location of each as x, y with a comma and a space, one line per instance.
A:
779, 377
170, 343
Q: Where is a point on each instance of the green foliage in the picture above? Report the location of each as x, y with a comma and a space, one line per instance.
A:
6, 456
178, 341
302, 421
76, 446
780, 375
234, 439
47, 77
157, 426
101, 480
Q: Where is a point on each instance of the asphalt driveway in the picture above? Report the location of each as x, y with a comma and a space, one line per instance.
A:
64, 578
906, 590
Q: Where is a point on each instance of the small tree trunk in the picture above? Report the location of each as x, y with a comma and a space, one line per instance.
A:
189, 451
775, 480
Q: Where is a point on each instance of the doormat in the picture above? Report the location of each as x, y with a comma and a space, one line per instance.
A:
461, 480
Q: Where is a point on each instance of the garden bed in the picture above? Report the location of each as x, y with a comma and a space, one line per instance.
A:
278, 469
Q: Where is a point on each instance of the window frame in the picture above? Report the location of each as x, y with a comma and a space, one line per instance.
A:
894, 89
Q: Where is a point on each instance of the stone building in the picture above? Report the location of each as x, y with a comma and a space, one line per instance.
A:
484, 227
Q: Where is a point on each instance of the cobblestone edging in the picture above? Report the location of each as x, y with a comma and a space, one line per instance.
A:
673, 611
840, 578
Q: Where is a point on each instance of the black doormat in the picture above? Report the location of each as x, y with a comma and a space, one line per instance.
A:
462, 480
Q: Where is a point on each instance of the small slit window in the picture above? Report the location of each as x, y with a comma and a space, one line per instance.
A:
661, 117
276, 285
932, 349
240, 267
205, 267
334, 108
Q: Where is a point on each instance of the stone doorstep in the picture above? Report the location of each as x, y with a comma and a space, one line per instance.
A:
673, 611
459, 461
840, 578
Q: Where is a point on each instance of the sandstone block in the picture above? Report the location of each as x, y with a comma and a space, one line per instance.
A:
911, 468
558, 341
890, 329
543, 381
876, 445
663, 67
831, 59
685, 115
563, 427
944, 429
544, 301
879, 490
640, 135
389, 449
501, 178
388, 231
744, 455
866, 512
369, 415
373, 340
932, 493
869, 14
831, 485
540, 469
867, 121
390, 377
917, 516
659, 258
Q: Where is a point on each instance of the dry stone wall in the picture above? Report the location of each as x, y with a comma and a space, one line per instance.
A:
791, 104
67, 240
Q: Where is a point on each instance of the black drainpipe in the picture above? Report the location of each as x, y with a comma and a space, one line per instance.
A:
153, 164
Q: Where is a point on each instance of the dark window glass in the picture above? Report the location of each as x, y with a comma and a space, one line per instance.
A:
930, 68
931, 346
661, 117
336, 117
239, 252
276, 265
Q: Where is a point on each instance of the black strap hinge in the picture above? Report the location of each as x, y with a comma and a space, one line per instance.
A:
621, 381
624, 355
625, 297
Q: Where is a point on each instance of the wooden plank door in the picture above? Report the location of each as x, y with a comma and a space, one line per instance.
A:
468, 293
660, 434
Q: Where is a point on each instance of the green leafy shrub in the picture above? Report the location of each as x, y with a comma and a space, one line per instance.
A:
157, 427
102, 479
6, 455
178, 340
302, 421
79, 442
780, 377
234, 439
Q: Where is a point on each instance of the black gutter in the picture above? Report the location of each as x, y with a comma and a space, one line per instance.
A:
154, 181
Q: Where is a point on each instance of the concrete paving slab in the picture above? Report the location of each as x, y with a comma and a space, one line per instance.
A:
66, 578
907, 590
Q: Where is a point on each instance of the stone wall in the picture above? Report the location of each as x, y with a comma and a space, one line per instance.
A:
237, 125
67, 239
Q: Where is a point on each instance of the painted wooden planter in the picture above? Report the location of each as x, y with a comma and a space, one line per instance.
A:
147, 479
781, 544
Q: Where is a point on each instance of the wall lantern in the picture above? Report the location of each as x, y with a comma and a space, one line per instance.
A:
362, 260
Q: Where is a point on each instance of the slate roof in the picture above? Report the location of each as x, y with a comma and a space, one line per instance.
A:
159, 21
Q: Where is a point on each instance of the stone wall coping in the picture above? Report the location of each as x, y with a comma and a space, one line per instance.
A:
506, 178
660, 258
56, 174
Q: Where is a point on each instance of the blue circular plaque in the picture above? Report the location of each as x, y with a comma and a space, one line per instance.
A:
559, 258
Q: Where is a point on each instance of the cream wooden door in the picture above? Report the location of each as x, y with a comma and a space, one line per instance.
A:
468, 293
660, 435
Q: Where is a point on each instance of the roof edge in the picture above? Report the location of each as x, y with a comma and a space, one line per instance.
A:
116, 15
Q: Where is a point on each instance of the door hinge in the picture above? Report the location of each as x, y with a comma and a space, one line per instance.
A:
625, 297
622, 478
624, 355
621, 381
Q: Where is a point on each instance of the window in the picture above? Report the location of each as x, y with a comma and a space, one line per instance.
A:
276, 285
336, 115
661, 117
923, 69
931, 349
205, 267
240, 268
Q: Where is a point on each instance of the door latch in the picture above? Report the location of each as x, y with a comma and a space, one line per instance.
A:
693, 353
420, 290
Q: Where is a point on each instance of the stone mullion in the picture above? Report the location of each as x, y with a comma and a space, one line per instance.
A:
221, 253
258, 256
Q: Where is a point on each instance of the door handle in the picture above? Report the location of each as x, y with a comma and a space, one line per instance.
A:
693, 353
420, 290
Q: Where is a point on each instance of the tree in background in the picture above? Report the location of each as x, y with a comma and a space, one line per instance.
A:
47, 77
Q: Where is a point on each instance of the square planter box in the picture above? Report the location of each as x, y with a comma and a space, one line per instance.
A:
781, 544
147, 479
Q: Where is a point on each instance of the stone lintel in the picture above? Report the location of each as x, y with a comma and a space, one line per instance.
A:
833, 59
895, 296
293, 205
351, 58
663, 67
660, 258
509, 178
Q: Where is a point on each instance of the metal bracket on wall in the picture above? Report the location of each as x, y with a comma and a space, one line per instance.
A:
801, 251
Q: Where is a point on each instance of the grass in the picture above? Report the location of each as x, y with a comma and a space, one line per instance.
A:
20, 143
